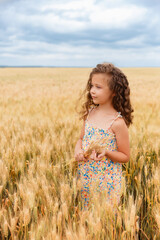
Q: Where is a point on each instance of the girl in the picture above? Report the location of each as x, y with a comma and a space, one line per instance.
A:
107, 114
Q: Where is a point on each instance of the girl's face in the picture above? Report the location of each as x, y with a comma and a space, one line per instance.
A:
100, 91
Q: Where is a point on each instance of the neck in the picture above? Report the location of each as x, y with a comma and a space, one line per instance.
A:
107, 108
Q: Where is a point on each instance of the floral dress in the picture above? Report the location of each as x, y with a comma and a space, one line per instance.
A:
104, 172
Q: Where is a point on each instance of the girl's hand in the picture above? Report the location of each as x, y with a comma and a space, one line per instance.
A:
94, 156
79, 155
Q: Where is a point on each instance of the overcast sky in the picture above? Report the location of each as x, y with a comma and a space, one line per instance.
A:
80, 33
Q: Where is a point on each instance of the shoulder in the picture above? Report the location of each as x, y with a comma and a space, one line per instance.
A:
90, 110
119, 125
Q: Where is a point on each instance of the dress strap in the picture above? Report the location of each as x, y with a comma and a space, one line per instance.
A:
119, 115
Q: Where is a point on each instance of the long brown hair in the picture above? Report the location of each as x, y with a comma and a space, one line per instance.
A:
118, 84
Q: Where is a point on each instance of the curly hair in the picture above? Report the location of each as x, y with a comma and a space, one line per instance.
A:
118, 84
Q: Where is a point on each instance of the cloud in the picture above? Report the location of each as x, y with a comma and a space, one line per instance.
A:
58, 30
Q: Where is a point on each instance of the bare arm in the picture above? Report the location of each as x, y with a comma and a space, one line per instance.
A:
78, 145
122, 154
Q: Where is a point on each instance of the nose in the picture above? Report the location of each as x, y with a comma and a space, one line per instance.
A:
92, 91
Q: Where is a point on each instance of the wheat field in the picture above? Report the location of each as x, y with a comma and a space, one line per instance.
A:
39, 127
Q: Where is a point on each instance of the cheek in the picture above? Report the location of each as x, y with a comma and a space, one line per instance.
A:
108, 93
105, 95
102, 92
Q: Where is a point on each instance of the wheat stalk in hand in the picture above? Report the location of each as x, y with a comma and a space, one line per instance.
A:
94, 146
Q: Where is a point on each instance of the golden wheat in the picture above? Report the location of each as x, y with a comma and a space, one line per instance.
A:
39, 193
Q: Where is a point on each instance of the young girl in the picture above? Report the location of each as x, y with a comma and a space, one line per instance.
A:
107, 114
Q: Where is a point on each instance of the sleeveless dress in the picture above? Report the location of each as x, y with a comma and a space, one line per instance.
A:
106, 172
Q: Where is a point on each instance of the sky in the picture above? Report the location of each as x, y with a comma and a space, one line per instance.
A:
80, 33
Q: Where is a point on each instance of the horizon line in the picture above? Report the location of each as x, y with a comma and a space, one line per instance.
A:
40, 66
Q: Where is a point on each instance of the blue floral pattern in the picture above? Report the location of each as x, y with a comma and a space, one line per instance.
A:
105, 172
